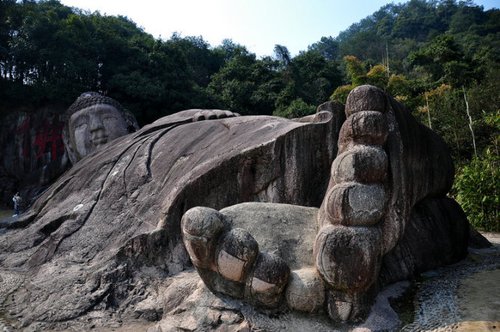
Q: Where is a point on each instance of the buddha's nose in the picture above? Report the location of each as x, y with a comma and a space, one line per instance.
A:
96, 123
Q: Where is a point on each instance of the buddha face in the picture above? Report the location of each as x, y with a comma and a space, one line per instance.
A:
94, 126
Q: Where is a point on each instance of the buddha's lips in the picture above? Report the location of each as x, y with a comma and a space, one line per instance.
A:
100, 140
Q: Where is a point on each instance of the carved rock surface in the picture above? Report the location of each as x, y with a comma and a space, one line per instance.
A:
377, 178
103, 244
32, 153
438, 234
282, 229
432, 238
110, 226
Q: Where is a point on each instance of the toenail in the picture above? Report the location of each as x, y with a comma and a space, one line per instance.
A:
336, 250
230, 267
270, 277
237, 252
356, 204
366, 98
367, 127
362, 163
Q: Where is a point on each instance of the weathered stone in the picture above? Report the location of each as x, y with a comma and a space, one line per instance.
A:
368, 207
283, 229
268, 280
236, 254
355, 204
437, 234
92, 121
32, 153
105, 240
201, 228
366, 98
380, 199
118, 210
365, 164
348, 258
365, 127
305, 291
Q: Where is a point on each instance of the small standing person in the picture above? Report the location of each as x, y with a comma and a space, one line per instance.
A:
17, 202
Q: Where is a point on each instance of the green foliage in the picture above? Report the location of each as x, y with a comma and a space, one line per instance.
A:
444, 65
477, 187
445, 61
50, 53
356, 71
399, 87
310, 77
328, 47
314, 77
378, 76
432, 55
340, 94
297, 108
246, 85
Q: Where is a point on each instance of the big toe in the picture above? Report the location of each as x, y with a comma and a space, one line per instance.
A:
229, 261
201, 229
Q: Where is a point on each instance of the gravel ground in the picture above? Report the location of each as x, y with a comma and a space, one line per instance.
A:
438, 306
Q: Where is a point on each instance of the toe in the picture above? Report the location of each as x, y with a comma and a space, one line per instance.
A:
270, 276
348, 257
362, 163
366, 98
199, 116
364, 127
305, 291
355, 204
236, 254
201, 228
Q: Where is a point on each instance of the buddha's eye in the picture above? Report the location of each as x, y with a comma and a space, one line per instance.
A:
80, 125
109, 118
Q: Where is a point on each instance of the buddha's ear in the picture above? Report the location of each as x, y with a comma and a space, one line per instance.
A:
132, 125
70, 152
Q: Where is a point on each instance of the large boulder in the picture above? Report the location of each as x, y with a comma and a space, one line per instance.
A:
104, 245
110, 226
436, 235
384, 218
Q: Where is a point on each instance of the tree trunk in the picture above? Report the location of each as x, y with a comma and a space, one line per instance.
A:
470, 122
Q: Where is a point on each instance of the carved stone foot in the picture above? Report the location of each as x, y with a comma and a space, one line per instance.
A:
228, 259
213, 115
378, 175
386, 163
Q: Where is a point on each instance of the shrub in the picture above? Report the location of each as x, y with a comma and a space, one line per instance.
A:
297, 109
340, 94
477, 190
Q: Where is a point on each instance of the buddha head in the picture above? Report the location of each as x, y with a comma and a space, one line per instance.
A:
92, 121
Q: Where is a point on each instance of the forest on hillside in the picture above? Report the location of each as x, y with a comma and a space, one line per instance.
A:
439, 57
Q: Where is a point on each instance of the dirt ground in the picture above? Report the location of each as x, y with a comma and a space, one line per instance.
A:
479, 297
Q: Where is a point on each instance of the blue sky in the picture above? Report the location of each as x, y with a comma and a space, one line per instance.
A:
256, 24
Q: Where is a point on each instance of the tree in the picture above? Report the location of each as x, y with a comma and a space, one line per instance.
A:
444, 60
355, 69
246, 85
378, 76
282, 55
328, 47
297, 109
314, 77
